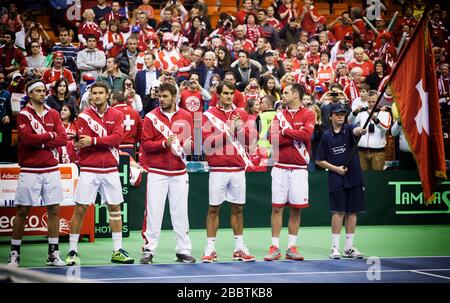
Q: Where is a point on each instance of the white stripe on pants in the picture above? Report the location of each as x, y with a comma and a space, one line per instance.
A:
177, 188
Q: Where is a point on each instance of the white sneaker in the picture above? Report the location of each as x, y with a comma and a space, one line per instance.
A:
352, 253
55, 260
14, 259
335, 253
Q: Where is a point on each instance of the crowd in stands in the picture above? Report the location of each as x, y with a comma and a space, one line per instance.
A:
260, 48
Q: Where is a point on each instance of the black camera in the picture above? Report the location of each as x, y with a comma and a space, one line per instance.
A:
363, 109
371, 128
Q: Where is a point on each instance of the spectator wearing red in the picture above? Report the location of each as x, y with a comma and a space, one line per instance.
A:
342, 26
247, 8
89, 27
144, 31
240, 34
11, 57
68, 153
132, 124
387, 51
361, 60
287, 11
325, 70
407, 19
115, 13
444, 85
193, 98
56, 72
238, 97
308, 17
351, 90
113, 40
253, 30
359, 25
325, 37
313, 55
271, 20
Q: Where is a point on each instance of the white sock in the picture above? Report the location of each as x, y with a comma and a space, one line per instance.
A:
73, 241
53, 240
335, 240
238, 241
211, 241
349, 241
16, 242
117, 240
292, 240
276, 241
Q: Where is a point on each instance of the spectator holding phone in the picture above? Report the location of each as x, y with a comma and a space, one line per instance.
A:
193, 98
333, 96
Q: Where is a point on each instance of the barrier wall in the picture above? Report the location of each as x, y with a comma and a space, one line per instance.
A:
392, 197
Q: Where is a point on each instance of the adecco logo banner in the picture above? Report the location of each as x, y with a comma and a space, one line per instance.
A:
9, 176
9, 173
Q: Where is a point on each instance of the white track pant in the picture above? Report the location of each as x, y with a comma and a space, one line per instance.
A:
158, 188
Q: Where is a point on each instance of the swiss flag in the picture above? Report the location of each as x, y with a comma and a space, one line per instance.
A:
413, 83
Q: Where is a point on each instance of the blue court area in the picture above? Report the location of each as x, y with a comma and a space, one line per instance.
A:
371, 270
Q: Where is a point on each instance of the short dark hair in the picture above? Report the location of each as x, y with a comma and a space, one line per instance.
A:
270, 100
194, 73
372, 92
100, 84
298, 89
227, 73
167, 86
245, 52
118, 96
62, 30
10, 33
227, 84
90, 36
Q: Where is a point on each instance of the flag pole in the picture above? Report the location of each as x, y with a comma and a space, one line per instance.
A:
385, 85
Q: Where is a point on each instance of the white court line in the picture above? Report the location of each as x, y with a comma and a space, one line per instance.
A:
271, 274
428, 274
237, 262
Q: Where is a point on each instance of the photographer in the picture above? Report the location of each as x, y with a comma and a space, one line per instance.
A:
333, 96
151, 100
372, 144
192, 98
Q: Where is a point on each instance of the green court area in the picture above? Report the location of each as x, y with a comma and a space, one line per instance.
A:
313, 243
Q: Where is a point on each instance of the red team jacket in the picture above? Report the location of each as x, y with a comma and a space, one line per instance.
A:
37, 148
287, 155
132, 124
102, 156
155, 156
221, 155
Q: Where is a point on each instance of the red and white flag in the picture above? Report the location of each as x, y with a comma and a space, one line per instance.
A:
413, 83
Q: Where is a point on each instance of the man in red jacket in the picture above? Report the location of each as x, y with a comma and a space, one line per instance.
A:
132, 124
291, 133
40, 133
166, 138
225, 136
100, 130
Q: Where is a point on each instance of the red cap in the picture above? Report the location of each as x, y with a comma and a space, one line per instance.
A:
58, 54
